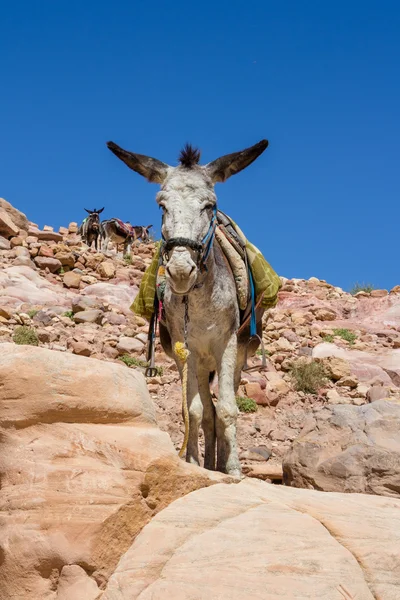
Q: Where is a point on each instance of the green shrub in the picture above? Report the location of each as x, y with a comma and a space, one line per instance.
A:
128, 259
131, 361
345, 334
328, 338
247, 405
31, 313
308, 377
362, 287
69, 313
25, 336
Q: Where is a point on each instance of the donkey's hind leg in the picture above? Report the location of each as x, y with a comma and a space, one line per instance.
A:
208, 423
195, 409
227, 411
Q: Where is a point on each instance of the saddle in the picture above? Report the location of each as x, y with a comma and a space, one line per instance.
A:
124, 228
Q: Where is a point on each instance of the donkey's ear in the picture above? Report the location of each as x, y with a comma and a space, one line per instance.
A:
88, 211
100, 211
230, 164
149, 227
154, 170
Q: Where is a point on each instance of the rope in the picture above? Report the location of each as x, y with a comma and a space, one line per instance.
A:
183, 353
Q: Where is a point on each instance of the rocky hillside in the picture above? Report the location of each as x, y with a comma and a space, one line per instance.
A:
325, 347
95, 503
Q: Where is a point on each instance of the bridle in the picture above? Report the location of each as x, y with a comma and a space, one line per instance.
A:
202, 248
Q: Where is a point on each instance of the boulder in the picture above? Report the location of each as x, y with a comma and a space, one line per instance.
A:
92, 315
121, 295
22, 284
261, 541
44, 262
48, 236
4, 243
81, 303
349, 449
7, 226
126, 345
106, 269
83, 467
16, 215
72, 280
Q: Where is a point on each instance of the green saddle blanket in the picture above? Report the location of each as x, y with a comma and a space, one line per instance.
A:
266, 282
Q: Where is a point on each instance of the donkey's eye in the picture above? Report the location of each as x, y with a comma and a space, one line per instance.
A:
207, 206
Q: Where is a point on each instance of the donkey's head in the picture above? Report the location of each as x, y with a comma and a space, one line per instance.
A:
188, 201
145, 233
93, 219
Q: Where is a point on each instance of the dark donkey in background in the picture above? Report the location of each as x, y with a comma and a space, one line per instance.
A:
90, 228
118, 232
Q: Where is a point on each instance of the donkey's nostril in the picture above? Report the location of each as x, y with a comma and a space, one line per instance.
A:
192, 269
168, 271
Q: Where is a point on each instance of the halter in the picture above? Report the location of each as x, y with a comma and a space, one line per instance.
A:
202, 248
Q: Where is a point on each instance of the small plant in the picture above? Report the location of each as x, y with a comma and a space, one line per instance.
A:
32, 313
61, 271
25, 336
246, 405
345, 334
362, 287
68, 313
308, 377
128, 259
328, 338
131, 361
259, 352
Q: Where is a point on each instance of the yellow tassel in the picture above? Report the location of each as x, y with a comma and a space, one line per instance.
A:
182, 353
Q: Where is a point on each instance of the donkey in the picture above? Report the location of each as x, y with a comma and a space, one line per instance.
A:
114, 230
90, 228
200, 300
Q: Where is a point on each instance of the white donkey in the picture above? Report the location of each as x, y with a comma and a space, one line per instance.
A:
200, 284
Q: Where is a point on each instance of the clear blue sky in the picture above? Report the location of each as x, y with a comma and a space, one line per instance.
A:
320, 80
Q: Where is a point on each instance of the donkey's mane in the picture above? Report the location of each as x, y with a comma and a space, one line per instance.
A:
189, 156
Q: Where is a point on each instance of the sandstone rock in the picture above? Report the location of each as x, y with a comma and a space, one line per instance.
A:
121, 295
7, 226
258, 453
83, 467
72, 280
89, 316
73, 227
16, 215
225, 528
19, 284
43, 262
67, 259
49, 236
351, 449
364, 365
126, 345
81, 348
377, 392
106, 269
378, 293
325, 314
254, 391
80, 303
46, 251
4, 243
395, 290
16, 241
336, 368
348, 381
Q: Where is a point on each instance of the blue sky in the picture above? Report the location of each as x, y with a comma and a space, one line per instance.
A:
319, 80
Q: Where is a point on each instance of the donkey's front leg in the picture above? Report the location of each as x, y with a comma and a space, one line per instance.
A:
227, 411
195, 409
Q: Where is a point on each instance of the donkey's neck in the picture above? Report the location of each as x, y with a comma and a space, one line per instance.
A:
213, 307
